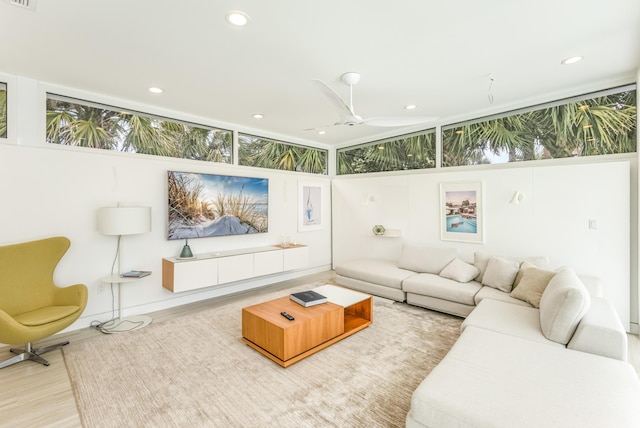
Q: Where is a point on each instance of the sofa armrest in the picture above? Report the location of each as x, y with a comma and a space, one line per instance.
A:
600, 332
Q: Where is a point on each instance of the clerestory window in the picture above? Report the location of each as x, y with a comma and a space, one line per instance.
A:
75, 122
412, 151
600, 123
3, 110
266, 153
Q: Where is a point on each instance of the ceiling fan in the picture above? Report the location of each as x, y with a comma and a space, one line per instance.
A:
347, 111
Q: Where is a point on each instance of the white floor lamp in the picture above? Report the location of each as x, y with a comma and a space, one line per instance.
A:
119, 221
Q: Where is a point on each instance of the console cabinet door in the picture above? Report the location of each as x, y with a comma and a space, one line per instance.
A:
191, 274
267, 263
235, 268
296, 258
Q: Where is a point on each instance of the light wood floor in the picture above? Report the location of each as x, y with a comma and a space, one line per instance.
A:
39, 396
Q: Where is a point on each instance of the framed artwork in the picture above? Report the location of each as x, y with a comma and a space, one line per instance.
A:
203, 205
309, 207
461, 216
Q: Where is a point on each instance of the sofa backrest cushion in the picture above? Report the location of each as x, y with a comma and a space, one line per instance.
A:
500, 273
459, 270
426, 259
562, 306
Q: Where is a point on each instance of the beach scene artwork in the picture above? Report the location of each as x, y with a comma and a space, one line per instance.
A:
462, 211
202, 205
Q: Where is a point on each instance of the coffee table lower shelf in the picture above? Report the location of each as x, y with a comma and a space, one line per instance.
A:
266, 331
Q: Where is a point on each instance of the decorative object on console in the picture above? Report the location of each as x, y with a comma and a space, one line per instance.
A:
309, 207
186, 251
461, 212
202, 205
119, 221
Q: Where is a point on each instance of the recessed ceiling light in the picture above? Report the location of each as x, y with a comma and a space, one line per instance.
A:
156, 90
571, 60
237, 18
322, 132
410, 107
258, 116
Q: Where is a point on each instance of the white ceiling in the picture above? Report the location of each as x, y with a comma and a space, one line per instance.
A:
436, 54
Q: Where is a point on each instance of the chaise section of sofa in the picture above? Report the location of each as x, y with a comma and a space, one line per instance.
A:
490, 379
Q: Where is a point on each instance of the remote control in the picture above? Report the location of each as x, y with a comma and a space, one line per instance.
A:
287, 316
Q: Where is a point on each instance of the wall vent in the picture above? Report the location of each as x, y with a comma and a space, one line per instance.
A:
26, 4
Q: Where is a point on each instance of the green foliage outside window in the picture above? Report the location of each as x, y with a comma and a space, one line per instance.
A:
596, 126
416, 151
75, 123
3, 110
265, 153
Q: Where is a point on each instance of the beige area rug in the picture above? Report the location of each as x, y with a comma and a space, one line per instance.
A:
195, 371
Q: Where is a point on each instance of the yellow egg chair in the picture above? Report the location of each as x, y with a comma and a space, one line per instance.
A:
32, 307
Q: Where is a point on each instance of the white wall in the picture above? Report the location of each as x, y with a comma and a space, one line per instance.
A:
553, 220
50, 190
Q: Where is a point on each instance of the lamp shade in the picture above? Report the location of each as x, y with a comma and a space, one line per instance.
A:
124, 220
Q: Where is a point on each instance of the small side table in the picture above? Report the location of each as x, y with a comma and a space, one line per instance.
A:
123, 324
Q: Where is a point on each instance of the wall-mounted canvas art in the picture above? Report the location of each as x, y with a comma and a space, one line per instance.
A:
309, 207
461, 211
202, 205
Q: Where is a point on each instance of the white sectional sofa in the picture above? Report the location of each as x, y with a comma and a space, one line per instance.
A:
552, 354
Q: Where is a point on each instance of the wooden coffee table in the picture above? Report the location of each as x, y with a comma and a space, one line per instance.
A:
314, 328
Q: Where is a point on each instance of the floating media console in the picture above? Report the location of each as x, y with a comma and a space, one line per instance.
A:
206, 270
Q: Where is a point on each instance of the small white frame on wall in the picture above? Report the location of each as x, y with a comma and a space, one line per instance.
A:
461, 211
310, 208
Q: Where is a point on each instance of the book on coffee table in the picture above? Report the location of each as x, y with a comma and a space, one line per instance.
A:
308, 298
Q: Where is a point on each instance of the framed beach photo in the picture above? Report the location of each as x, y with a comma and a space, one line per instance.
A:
461, 211
309, 207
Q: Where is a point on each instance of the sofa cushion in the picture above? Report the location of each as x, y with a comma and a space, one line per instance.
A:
506, 318
425, 259
442, 288
532, 284
494, 294
460, 271
500, 273
539, 262
383, 272
562, 306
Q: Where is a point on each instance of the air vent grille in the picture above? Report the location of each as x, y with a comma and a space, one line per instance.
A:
27, 4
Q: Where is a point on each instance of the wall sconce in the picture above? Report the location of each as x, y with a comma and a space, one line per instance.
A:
517, 198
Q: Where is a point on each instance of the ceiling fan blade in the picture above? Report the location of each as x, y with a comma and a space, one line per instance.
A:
397, 121
334, 98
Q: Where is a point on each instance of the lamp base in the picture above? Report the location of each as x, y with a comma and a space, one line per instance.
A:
127, 324
186, 252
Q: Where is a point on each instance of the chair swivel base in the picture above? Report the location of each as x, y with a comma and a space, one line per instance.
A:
28, 353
